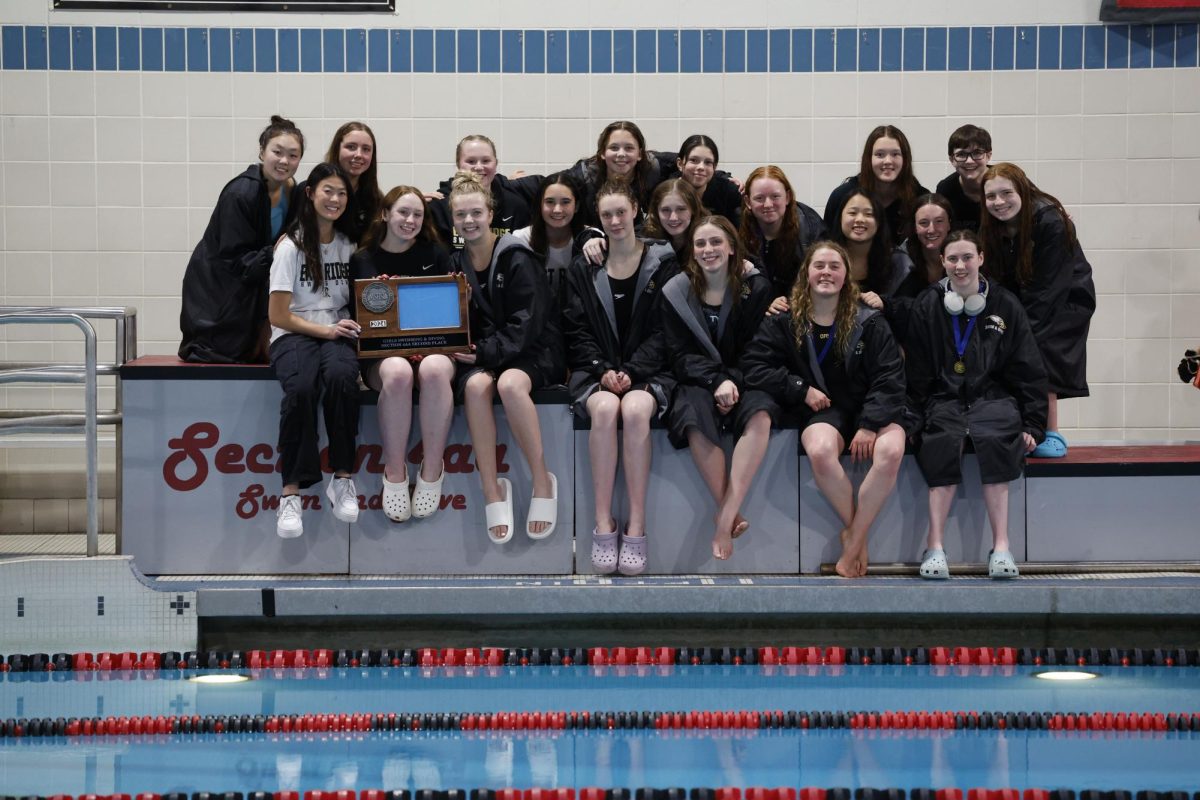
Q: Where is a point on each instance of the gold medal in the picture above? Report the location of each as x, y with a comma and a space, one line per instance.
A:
960, 368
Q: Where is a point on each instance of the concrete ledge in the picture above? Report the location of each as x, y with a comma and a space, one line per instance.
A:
488, 600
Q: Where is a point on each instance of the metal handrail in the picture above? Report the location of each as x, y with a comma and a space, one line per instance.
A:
57, 422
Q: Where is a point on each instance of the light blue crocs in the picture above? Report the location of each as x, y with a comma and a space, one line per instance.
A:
1001, 565
934, 566
1053, 446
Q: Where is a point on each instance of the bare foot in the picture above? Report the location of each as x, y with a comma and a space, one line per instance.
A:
863, 561
727, 531
740, 526
722, 545
497, 532
545, 490
848, 565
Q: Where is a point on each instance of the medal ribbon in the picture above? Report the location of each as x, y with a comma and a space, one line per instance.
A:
961, 339
829, 343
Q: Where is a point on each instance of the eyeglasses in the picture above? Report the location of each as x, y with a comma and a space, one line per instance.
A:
961, 156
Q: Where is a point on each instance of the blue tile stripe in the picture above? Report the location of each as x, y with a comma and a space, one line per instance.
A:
350, 50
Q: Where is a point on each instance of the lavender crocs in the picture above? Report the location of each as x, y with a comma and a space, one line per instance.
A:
604, 552
633, 555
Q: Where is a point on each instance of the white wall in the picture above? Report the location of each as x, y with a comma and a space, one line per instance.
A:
108, 177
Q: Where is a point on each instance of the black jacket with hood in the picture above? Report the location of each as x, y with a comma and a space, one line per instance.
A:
696, 359
590, 324
514, 320
224, 298
1059, 298
587, 172
781, 267
775, 363
514, 207
1001, 359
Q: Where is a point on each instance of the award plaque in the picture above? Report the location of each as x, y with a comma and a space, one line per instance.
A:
410, 316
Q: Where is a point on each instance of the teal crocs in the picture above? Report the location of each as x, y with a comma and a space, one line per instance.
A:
1001, 565
1053, 446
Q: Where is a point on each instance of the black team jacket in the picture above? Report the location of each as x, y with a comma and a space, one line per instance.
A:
513, 322
775, 363
590, 324
225, 286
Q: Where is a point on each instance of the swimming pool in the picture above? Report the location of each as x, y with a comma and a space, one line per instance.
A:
837, 749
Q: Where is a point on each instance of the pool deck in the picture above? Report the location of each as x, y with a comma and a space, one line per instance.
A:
1170, 594
61, 605
1156, 608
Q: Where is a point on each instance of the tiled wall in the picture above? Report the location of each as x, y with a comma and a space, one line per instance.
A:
110, 48
118, 131
89, 605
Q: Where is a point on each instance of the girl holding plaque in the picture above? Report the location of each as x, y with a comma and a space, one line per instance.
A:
616, 352
710, 313
404, 243
1036, 255
517, 348
973, 370
312, 348
835, 363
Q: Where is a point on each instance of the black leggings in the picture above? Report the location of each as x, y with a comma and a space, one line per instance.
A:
305, 366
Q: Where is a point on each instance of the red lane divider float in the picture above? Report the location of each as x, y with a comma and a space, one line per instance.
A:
429, 657
649, 793
603, 720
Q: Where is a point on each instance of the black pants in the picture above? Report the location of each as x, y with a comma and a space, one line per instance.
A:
305, 367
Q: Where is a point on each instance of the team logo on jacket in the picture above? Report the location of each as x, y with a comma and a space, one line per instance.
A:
995, 323
745, 291
499, 280
860, 347
650, 287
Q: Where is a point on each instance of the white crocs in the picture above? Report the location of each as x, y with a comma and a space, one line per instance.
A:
427, 495
396, 505
934, 566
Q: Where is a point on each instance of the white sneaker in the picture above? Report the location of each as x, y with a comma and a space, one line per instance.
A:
343, 498
288, 523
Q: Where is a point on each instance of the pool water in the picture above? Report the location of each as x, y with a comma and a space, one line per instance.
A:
607, 758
